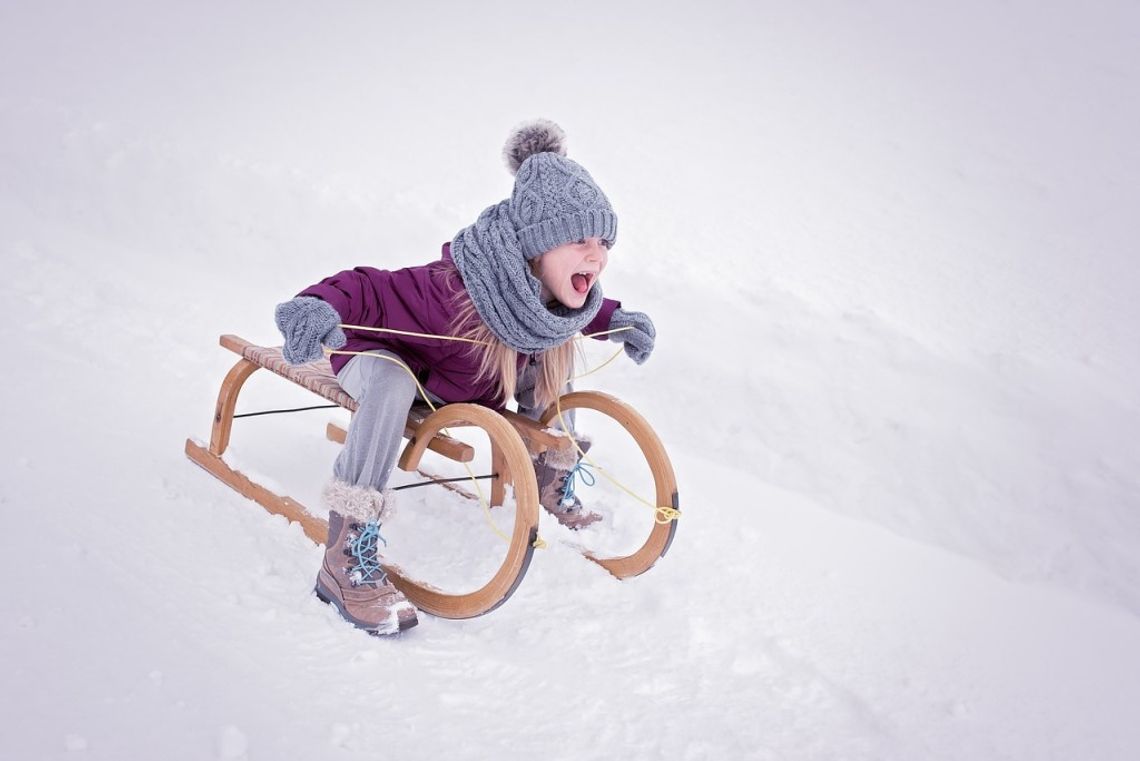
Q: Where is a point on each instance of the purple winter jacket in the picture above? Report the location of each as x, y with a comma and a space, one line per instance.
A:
421, 300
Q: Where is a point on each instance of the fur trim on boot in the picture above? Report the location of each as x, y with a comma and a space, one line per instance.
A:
351, 577
565, 459
360, 502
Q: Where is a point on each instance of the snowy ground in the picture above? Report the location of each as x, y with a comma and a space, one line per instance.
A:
889, 252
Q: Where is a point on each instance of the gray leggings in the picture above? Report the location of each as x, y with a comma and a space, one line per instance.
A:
384, 392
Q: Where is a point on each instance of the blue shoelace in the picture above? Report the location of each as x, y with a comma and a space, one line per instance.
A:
364, 551
579, 470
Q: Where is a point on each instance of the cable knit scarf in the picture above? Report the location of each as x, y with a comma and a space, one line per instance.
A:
505, 293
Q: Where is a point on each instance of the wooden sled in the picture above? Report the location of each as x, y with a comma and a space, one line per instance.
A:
513, 439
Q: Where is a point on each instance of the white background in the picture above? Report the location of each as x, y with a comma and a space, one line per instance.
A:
890, 252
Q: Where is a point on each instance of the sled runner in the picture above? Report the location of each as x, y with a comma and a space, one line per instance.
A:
513, 439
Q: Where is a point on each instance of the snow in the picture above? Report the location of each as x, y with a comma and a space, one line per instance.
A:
888, 249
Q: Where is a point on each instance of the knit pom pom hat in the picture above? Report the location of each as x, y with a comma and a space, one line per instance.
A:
555, 201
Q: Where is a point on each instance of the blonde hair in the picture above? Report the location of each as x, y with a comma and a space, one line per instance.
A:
499, 362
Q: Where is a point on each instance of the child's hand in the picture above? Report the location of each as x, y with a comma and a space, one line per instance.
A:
638, 339
306, 323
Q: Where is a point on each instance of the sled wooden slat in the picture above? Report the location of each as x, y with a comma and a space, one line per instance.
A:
314, 528
318, 377
335, 433
538, 437
450, 448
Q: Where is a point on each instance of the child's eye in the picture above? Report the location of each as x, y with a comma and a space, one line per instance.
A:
607, 244
581, 241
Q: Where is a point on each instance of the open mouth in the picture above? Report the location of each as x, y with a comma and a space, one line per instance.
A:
582, 281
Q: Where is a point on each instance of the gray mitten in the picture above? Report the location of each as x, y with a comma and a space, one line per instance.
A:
639, 339
307, 322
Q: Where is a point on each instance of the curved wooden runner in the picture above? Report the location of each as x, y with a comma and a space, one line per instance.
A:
510, 460
665, 482
511, 464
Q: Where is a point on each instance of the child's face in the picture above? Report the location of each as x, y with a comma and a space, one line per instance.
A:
568, 272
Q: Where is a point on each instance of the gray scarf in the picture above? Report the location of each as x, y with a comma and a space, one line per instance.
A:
505, 293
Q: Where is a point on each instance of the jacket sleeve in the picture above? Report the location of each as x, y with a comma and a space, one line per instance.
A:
354, 294
407, 300
601, 321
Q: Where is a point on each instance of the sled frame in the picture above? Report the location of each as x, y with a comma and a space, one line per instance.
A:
514, 439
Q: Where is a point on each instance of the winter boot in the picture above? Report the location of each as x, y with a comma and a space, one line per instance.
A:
556, 473
351, 578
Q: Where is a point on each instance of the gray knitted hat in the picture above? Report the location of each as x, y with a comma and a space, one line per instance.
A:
555, 201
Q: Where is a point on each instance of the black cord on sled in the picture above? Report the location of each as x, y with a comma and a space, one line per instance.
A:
445, 481
394, 488
295, 409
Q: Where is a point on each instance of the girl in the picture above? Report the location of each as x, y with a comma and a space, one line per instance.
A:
522, 282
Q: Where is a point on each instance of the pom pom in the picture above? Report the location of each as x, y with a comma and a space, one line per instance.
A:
529, 138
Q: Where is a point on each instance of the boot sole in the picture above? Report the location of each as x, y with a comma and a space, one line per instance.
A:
402, 625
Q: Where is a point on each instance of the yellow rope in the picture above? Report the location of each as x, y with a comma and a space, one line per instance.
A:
411, 333
603, 333
662, 513
394, 331
599, 367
